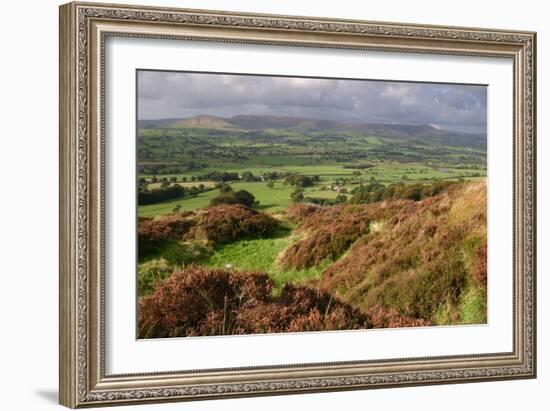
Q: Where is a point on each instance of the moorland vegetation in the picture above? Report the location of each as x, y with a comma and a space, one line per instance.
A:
259, 225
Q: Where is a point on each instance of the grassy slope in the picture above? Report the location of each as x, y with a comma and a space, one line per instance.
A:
392, 268
261, 255
271, 199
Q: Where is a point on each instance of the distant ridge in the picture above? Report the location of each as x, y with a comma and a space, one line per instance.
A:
260, 122
202, 121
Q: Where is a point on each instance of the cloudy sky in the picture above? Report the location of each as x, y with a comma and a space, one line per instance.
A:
179, 95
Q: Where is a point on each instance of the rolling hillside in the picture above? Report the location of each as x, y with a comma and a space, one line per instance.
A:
179, 146
392, 263
258, 122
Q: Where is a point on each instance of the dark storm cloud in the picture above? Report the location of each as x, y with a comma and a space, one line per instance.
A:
175, 95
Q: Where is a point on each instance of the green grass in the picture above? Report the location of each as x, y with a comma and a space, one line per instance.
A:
385, 172
271, 199
473, 306
190, 203
278, 198
208, 184
261, 255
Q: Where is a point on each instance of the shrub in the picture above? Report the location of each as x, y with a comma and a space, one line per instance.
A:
298, 212
224, 198
199, 301
164, 193
382, 317
376, 191
479, 272
153, 233
298, 309
420, 260
235, 197
224, 188
330, 233
245, 198
336, 319
181, 304
227, 223
151, 272
420, 293
297, 196
300, 181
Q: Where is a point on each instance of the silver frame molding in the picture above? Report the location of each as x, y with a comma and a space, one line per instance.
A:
84, 27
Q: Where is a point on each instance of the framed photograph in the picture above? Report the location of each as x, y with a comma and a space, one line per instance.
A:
260, 204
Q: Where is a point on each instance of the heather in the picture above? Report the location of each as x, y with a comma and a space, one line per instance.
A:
421, 260
200, 301
398, 262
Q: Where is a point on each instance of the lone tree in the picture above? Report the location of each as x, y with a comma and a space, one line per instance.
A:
248, 176
235, 197
246, 198
297, 196
300, 181
225, 188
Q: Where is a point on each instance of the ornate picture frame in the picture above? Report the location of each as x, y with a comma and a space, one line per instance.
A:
84, 29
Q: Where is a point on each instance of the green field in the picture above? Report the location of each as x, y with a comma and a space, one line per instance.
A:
271, 199
278, 198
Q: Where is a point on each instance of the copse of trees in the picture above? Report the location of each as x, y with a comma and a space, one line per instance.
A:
249, 177
375, 191
220, 176
274, 175
161, 194
166, 192
340, 199
235, 197
358, 166
301, 181
224, 188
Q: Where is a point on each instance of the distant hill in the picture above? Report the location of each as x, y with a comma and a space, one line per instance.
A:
388, 130
259, 122
202, 121
250, 122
